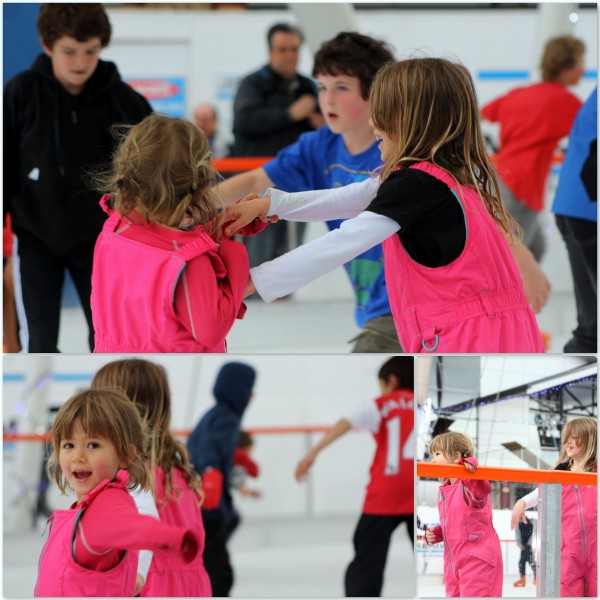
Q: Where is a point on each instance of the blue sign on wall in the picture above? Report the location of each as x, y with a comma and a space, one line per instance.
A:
165, 94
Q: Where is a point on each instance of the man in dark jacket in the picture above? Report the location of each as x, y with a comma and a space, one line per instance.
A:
212, 446
272, 108
57, 120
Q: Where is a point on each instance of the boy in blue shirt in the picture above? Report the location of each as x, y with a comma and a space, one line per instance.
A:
344, 151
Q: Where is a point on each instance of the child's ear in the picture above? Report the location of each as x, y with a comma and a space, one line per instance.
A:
47, 51
457, 457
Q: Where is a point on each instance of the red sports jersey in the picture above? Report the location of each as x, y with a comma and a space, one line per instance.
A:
391, 487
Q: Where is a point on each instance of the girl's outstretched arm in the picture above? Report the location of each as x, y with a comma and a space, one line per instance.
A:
306, 263
319, 205
342, 427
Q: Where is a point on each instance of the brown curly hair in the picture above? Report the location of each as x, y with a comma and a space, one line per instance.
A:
162, 171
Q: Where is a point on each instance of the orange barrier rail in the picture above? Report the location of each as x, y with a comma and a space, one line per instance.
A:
46, 437
425, 469
233, 164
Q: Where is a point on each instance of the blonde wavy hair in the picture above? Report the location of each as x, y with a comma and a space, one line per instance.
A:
585, 431
108, 414
162, 171
429, 108
452, 442
146, 384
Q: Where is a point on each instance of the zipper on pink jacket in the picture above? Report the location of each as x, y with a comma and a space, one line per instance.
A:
446, 543
579, 503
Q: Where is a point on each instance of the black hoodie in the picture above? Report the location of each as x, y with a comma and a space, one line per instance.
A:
51, 140
213, 441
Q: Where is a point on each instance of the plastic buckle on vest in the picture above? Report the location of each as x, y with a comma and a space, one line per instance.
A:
487, 305
428, 335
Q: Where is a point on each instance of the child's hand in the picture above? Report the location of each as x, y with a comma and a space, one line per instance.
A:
518, 514
304, 466
244, 212
469, 463
433, 535
250, 289
139, 584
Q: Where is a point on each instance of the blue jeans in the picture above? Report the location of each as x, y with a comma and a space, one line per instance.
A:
580, 237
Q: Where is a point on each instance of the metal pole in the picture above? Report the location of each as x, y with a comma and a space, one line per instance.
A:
549, 534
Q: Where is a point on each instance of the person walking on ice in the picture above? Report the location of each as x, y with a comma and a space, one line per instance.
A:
389, 500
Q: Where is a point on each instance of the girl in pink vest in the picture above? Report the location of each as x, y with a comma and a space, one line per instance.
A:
160, 281
99, 445
579, 523
452, 254
174, 484
472, 553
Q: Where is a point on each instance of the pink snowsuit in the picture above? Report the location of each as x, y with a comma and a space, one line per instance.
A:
134, 286
472, 553
579, 541
169, 575
60, 575
474, 304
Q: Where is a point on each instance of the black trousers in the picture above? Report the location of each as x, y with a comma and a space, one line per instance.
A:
216, 557
364, 575
526, 557
42, 274
581, 239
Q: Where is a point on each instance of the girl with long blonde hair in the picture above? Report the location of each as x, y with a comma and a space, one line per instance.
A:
579, 522
175, 486
453, 282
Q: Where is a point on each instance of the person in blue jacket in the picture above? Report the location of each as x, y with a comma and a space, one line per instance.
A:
212, 446
576, 212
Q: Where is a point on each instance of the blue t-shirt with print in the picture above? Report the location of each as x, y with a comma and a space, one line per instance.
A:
319, 160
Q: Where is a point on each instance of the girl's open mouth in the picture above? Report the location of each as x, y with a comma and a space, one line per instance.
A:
82, 474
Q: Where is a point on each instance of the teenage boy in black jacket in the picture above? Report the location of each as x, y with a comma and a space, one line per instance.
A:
57, 120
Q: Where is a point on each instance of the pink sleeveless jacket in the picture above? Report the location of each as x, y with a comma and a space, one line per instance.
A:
579, 541
474, 304
58, 573
472, 553
133, 308
169, 575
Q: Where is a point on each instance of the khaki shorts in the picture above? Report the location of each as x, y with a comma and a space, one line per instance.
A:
378, 335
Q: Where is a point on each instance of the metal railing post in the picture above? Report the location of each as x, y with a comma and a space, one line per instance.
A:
549, 534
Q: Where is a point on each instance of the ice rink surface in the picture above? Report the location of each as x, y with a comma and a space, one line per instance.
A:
313, 327
295, 558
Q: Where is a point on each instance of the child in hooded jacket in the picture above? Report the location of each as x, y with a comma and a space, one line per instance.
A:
174, 484
160, 282
579, 523
472, 553
99, 448
452, 277
212, 447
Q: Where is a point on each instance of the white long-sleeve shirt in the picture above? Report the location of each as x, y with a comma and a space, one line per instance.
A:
361, 231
